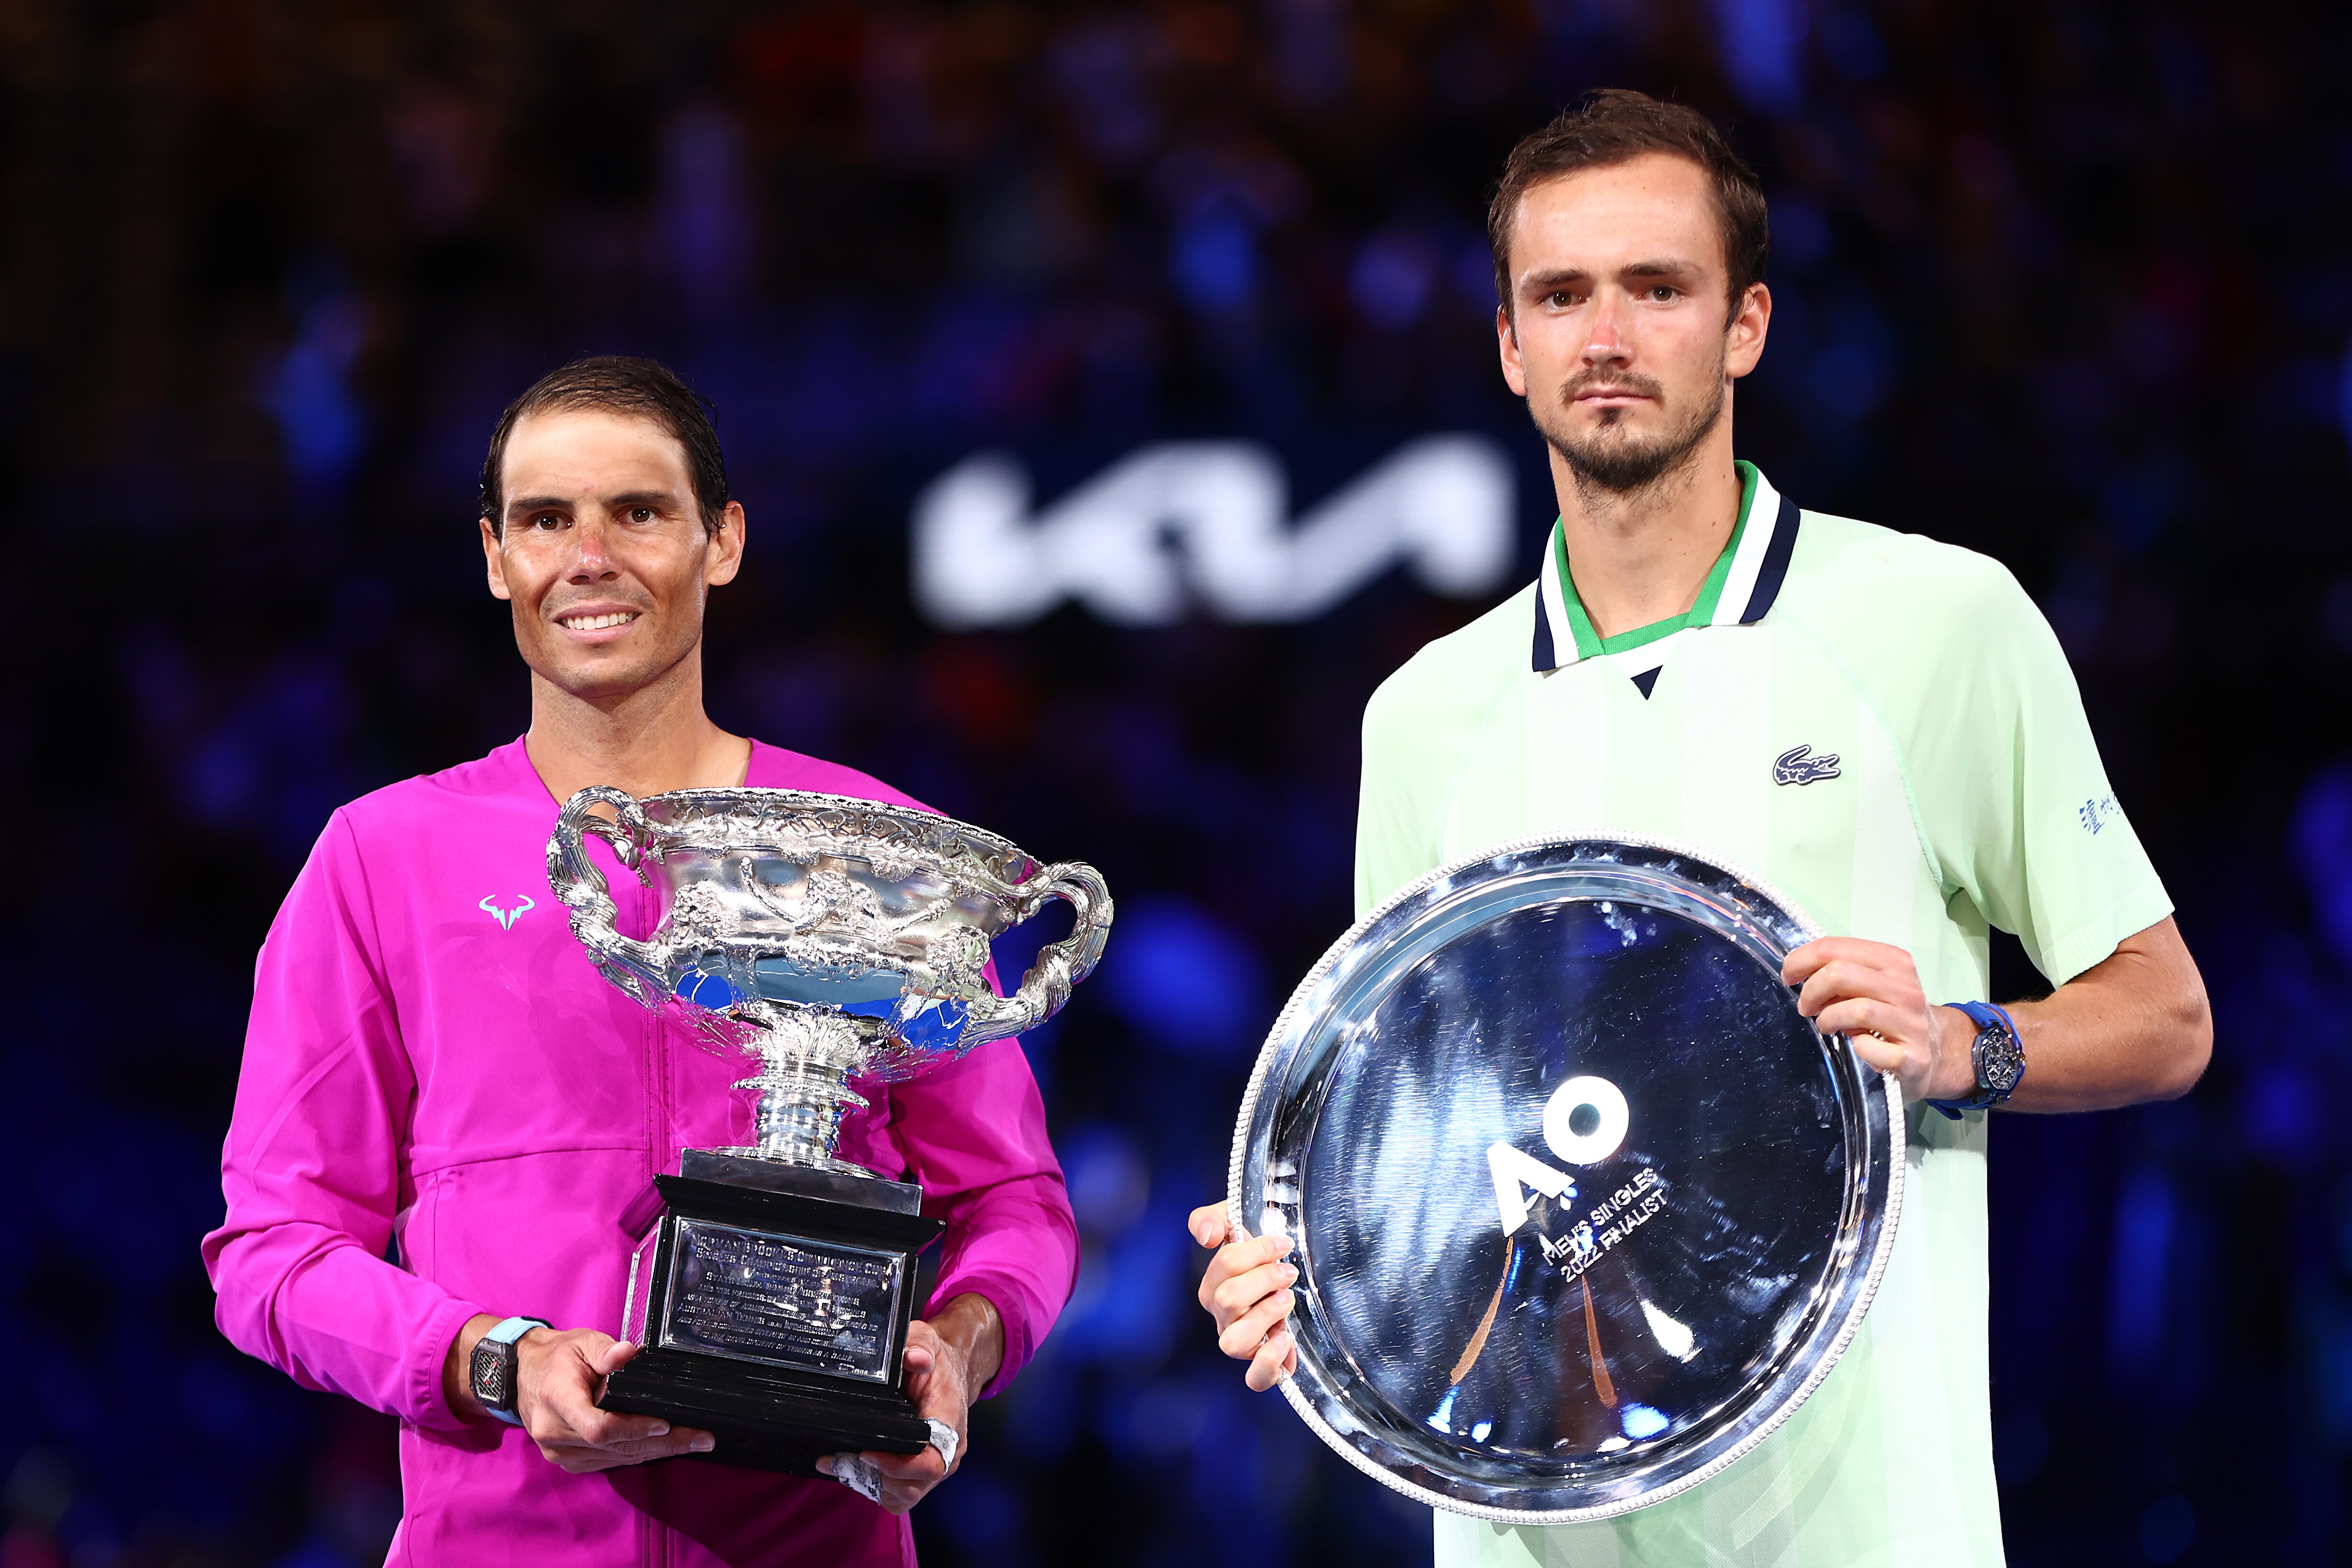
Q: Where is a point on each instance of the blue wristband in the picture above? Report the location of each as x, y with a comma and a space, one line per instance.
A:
1986, 1016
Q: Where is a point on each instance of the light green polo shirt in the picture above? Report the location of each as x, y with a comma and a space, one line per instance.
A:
1885, 728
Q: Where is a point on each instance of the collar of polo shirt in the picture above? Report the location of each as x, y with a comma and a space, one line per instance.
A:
1739, 591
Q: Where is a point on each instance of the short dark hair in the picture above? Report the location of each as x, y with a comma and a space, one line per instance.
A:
1616, 125
619, 384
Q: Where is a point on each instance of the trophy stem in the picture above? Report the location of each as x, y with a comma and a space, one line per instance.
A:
799, 1121
807, 1057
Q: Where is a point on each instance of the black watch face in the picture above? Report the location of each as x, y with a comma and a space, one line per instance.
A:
2000, 1062
493, 1377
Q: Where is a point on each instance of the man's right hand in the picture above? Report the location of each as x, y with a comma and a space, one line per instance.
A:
557, 1378
1247, 1290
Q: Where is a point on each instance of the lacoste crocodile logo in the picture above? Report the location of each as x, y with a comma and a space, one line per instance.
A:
507, 917
1798, 765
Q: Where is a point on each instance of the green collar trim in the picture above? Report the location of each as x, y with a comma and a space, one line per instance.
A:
1590, 644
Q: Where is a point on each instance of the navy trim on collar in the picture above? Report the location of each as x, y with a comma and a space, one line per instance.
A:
1775, 569
1772, 571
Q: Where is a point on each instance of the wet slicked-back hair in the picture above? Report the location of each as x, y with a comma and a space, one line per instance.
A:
1615, 125
618, 384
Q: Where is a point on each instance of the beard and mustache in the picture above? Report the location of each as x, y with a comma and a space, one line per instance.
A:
1612, 458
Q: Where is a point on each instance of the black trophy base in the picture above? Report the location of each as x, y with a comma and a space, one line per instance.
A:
776, 1318
762, 1423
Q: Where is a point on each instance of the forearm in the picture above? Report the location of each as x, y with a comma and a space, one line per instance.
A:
2132, 1027
972, 1326
456, 1379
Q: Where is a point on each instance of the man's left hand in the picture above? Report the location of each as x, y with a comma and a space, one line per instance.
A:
1869, 993
949, 1359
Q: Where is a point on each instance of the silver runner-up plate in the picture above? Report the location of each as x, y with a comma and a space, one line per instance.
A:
1583, 1207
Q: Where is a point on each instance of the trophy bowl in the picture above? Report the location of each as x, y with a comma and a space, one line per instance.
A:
1584, 1208
832, 937
828, 938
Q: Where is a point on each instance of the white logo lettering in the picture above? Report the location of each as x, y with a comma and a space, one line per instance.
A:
506, 917
1202, 522
1514, 1172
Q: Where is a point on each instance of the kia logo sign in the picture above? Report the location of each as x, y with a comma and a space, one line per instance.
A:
1203, 527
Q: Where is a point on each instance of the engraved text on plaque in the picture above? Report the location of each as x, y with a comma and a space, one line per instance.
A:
814, 1306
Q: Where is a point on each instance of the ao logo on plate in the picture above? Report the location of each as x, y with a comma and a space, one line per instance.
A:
1517, 1173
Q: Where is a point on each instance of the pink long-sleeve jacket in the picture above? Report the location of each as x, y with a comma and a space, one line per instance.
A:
433, 1060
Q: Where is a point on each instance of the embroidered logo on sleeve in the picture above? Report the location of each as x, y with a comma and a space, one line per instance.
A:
2097, 814
506, 917
1798, 765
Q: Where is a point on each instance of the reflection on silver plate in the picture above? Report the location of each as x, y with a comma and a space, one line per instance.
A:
1584, 1207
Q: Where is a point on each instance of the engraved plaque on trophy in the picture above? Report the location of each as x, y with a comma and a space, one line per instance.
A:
829, 939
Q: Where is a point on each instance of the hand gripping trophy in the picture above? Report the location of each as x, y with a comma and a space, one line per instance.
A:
831, 939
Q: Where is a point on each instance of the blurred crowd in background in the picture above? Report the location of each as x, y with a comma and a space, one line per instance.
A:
2063, 281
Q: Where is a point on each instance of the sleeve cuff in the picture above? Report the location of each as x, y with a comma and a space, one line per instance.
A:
428, 1404
2095, 940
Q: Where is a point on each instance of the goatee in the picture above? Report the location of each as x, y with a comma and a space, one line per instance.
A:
1612, 458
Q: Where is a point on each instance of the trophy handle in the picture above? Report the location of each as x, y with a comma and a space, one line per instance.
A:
1060, 966
635, 966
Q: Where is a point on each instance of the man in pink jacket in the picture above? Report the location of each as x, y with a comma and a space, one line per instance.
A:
434, 1063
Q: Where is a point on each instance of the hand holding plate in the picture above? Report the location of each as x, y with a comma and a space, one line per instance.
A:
1870, 992
1246, 1289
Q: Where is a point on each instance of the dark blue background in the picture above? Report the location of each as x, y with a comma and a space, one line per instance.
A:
2066, 282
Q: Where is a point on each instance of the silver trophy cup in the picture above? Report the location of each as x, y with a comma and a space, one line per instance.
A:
829, 939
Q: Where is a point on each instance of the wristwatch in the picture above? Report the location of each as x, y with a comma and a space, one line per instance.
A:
1998, 1056
491, 1372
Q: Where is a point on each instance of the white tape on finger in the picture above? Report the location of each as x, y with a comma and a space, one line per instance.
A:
858, 1476
944, 1439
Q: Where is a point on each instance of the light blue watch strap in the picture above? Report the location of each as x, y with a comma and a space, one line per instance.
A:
514, 1328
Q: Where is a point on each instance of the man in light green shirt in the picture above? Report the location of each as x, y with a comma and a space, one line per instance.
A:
1881, 725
